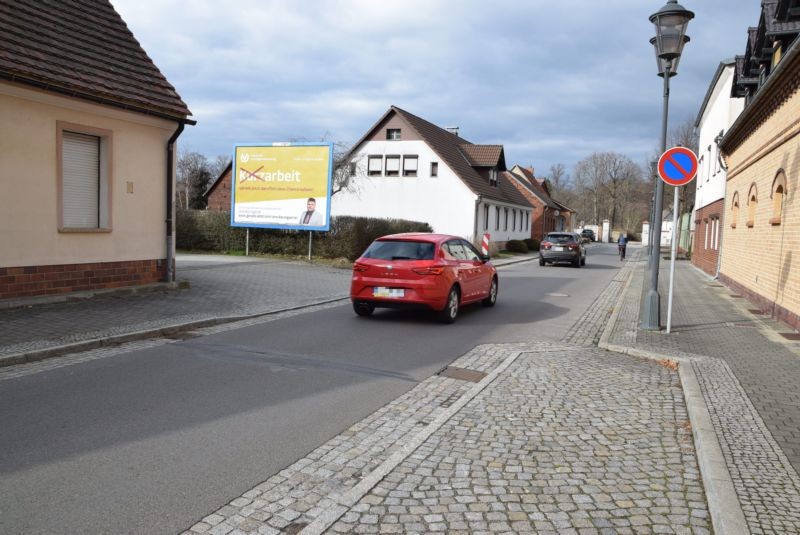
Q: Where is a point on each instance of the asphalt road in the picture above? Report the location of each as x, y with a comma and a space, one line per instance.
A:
152, 441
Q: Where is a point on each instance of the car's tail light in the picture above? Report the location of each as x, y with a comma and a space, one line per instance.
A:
361, 268
429, 270
573, 246
546, 245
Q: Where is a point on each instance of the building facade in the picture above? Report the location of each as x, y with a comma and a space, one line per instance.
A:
88, 127
761, 234
717, 113
405, 167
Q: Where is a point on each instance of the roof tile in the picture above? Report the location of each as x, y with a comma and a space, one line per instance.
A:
82, 47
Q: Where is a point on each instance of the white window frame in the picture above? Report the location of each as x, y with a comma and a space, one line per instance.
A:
68, 139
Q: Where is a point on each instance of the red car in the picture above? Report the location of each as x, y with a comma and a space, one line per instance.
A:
433, 271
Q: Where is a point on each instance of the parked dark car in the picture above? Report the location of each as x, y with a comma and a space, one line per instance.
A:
434, 271
562, 247
588, 234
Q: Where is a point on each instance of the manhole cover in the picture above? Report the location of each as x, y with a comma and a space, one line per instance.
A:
791, 336
462, 374
294, 528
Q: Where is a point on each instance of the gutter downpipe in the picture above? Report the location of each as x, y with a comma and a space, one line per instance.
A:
171, 202
717, 141
477, 211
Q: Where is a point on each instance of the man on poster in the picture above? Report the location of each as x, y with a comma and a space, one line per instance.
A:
311, 216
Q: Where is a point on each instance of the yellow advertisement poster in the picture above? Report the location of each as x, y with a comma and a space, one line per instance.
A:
283, 185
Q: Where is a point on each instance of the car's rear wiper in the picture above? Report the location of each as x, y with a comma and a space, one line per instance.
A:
401, 258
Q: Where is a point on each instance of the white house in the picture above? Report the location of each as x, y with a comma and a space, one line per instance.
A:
407, 168
717, 113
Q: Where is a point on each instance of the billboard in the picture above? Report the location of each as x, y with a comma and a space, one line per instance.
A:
282, 185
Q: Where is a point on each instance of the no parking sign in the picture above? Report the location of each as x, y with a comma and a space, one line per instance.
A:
677, 166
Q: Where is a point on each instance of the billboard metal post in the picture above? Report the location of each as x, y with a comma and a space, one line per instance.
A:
310, 235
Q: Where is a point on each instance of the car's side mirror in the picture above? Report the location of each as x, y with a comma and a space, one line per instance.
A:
485, 258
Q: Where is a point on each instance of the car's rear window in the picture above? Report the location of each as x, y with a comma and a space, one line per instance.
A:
560, 238
400, 250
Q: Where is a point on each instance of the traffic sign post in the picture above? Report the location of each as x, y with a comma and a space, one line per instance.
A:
676, 167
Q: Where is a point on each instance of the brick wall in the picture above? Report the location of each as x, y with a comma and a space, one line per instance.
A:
704, 252
34, 281
763, 260
220, 197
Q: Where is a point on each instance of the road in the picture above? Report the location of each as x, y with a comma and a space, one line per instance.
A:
150, 441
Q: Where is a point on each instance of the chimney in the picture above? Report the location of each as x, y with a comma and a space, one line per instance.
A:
452, 129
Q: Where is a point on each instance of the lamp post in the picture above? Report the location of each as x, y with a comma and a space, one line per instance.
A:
670, 22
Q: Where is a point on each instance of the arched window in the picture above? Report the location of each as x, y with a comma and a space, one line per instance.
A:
735, 209
752, 203
778, 192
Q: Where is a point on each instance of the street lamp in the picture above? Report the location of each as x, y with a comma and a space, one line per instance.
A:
670, 22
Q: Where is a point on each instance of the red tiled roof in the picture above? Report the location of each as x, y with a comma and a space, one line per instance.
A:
82, 48
525, 177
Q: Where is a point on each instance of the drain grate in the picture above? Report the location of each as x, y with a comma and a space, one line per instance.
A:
462, 374
791, 336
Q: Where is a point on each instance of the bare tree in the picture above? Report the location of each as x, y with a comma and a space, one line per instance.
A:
193, 177
610, 186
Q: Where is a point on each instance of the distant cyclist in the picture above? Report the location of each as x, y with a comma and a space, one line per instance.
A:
622, 244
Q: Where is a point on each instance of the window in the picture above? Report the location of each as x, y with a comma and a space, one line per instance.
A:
485, 217
455, 250
527, 220
716, 159
505, 226
715, 242
353, 167
470, 251
400, 250
434, 168
374, 165
701, 168
410, 165
752, 202
705, 241
393, 166
513, 220
778, 192
735, 209
84, 178
493, 177
393, 134
497, 218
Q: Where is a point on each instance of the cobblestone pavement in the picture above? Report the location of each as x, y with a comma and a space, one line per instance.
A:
748, 380
556, 438
291, 285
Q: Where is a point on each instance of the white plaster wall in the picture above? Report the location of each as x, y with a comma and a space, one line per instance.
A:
443, 201
29, 203
721, 111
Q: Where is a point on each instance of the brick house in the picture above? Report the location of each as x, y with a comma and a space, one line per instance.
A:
218, 194
761, 234
548, 214
88, 127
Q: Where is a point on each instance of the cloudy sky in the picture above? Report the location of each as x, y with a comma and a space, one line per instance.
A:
553, 81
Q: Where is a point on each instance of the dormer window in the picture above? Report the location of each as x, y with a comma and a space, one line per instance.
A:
393, 134
493, 176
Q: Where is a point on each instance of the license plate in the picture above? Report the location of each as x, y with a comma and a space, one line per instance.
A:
557, 248
380, 291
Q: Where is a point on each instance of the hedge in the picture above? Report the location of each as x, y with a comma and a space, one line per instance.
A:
348, 237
